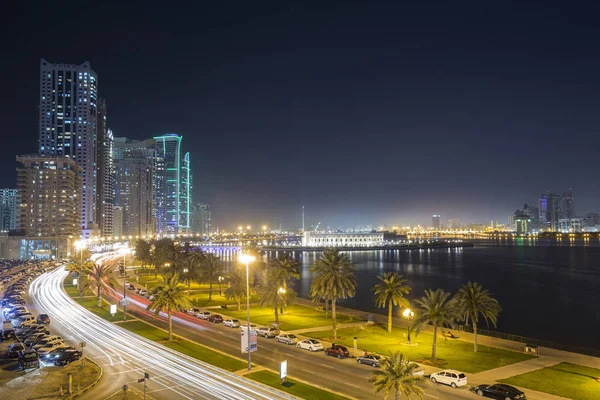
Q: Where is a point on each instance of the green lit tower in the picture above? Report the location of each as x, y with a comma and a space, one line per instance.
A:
168, 147
185, 197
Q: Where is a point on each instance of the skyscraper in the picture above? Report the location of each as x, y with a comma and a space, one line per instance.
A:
8, 209
168, 147
185, 213
68, 125
105, 168
435, 221
201, 220
549, 212
48, 194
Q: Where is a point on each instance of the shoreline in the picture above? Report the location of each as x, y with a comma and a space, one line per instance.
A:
371, 248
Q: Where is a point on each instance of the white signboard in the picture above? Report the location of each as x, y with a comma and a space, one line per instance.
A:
74, 281
113, 309
283, 369
253, 341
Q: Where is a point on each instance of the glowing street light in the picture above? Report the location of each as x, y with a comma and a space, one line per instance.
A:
408, 314
221, 279
79, 245
124, 251
247, 259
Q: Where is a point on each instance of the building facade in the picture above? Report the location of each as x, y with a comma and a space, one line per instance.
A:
8, 209
549, 212
436, 221
105, 173
314, 239
118, 222
522, 223
202, 220
48, 194
185, 209
168, 147
68, 125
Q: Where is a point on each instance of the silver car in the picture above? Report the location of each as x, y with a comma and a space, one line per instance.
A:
286, 338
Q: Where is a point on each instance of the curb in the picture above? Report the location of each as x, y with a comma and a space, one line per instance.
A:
93, 383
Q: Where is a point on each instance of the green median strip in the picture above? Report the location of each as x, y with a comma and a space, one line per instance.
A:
565, 379
294, 387
451, 353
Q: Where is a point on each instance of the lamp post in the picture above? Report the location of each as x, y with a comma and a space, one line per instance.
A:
221, 279
124, 251
408, 314
247, 259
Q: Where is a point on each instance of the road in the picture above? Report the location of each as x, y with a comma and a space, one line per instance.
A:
343, 376
126, 356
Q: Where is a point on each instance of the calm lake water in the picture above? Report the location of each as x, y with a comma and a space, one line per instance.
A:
546, 292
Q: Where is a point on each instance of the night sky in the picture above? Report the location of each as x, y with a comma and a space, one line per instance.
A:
365, 113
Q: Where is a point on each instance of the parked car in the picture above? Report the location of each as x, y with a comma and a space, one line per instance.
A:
8, 334
131, 287
14, 349
43, 319
203, 314
232, 323
287, 338
28, 358
373, 360
193, 311
143, 292
310, 345
449, 377
338, 351
67, 357
267, 332
48, 341
56, 352
32, 341
244, 327
500, 391
216, 318
42, 351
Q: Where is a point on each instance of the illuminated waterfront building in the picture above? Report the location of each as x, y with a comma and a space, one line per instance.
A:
201, 218
106, 174
436, 221
8, 209
168, 147
315, 239
185, 197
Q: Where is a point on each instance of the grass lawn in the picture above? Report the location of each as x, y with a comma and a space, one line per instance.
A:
455, 353
183, 346
295, 317
565, 379
296, 388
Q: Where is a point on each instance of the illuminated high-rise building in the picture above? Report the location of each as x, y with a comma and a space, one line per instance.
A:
168, 147
201, 219
105, 170
68, 125
185, 197
436, 221
8, 209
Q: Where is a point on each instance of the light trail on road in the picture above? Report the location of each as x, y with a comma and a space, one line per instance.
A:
182, 374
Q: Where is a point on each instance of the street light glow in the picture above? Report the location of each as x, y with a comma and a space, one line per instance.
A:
246, 258
408, 313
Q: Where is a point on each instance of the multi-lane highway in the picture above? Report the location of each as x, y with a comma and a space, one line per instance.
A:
126, 356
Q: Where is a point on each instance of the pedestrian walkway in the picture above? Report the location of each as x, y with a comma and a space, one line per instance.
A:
326, 327
508, 371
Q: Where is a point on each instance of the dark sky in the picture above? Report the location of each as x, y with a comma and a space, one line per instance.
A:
364, 112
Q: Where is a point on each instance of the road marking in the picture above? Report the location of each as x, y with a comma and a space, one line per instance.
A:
272, 359
305, 370
129, 370
327, 366
356, 386
430, 395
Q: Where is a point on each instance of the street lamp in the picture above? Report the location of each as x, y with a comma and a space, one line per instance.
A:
408, 314
221, 279
280, 292
247, 259
124, 251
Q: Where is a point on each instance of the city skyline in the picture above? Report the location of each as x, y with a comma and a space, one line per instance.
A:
382, 123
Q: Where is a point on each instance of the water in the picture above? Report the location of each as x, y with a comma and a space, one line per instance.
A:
546, 292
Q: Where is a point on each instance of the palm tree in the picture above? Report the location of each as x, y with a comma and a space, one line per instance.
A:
397, 373
79, 263
272, 294
471, 301
237, 287
258, 266
333, 280
390, 292
169, 297
95, 279
435, 309
288, 270
188, 264
162, 252
212, 269
142, 252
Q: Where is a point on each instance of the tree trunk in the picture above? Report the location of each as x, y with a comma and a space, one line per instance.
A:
390, 307
210, 285
276, 316
220, 294
170, 326
433, 347
333, 318
475, 336
326, 308
100, 299
239, 304
397, 397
